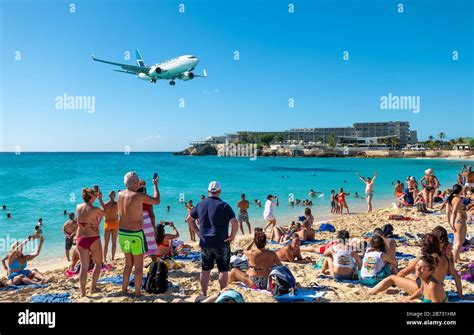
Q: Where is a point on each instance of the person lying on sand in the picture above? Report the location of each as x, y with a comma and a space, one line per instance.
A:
282, 234
292, 253
341, 258
261, 261
18, 274
431, 245
431, 290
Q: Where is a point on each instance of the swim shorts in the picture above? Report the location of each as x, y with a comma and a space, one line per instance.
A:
25, 273
69, 243
132, 242
220, 256
243, 217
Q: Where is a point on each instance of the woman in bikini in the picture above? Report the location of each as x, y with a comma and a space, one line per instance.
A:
430, 183
88, 236
431, 245
342, 259
341, 198
18, 274
431, 289
260, 260
457, 219
165, 241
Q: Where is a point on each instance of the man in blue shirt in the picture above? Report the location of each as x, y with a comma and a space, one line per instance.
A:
214, 217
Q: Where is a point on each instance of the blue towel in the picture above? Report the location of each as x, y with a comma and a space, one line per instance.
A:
192, 256
350, 281
51, 298
453, 297
19, 287
312, 242
302, 294
117, 280
401, 255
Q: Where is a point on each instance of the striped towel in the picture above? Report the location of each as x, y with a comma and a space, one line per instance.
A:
149, 235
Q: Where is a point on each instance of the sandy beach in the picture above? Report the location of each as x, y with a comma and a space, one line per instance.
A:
185, 279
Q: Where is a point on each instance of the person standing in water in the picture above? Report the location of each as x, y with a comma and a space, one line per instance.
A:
131, 236
111, 225
430, 183
69, 230
369, 189
341, 199
243, 216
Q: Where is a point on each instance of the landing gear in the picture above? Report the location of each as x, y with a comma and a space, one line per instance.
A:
172, 83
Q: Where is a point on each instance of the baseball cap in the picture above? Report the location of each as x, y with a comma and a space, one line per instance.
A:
214, 186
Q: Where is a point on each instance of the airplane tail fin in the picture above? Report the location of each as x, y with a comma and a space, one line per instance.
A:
139, 58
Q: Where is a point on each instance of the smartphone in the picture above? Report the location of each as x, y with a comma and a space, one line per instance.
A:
96, 188
166, 223
155, 175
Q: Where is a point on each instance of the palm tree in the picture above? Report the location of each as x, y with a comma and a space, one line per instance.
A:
441, 137
332, 141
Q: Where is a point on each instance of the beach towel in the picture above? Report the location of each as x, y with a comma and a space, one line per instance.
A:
402, 218
308, 242
72, 273
117, 280
453, 297
349, 281
319, 263
19, 287
401, 255
192, 256
51, 298
302, 294
149, 232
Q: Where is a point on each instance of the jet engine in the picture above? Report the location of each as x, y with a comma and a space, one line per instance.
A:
187, 76
155, 70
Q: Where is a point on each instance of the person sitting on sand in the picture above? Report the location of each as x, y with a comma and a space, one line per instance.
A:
431, 290
398, 190
420, 203
131, 236
376, 264
268, 213
430, 183
369, 192
341, 198
292, 253
88, 236
439, 197
341, 259
165, 241
18, 274
69, 230
260, 260
283, 234
408, 282
390, 244
307, 233
111, 225
457, 219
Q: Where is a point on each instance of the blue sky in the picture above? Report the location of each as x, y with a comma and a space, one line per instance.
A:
282, 56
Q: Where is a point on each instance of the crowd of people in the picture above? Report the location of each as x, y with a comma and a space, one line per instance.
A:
130, 222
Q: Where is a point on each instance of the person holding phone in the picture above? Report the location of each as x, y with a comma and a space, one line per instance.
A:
131, 236
165, 241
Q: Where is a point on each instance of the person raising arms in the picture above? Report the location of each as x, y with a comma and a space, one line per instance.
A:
369, 190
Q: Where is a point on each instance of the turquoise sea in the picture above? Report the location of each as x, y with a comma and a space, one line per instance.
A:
43, 185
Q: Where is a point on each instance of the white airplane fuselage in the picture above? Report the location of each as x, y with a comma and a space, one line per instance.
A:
178, 67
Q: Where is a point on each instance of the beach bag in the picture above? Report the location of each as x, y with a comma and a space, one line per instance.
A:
281, 281
230, 296
327, 227
239, 262
157, 279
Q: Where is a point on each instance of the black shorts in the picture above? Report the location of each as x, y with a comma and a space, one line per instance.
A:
69, 243
333, 204
221, 256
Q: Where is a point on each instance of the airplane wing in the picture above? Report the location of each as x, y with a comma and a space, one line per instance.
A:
128, 68
204, 74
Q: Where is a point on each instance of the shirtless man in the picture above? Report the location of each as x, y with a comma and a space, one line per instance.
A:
430, 183
243, 216
69, 230
398, 191
111, 225
292, 253
261, 261
131, 236
369, 186
467, 173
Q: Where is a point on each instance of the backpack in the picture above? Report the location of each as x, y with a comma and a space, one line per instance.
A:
157, 279
327, 227
281, 281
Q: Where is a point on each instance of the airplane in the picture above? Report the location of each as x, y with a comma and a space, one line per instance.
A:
180, 68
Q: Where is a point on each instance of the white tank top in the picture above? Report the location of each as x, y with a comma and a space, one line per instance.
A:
371, 264
343, 258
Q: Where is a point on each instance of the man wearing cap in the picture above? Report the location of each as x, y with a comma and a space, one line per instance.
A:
214, 217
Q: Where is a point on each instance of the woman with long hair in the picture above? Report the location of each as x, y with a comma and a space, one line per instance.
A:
457, 219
